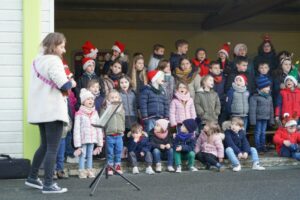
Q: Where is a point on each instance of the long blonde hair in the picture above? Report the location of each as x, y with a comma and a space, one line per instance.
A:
143, 74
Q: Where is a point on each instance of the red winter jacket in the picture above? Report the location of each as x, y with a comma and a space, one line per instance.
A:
282, 134
204, 66
288, 102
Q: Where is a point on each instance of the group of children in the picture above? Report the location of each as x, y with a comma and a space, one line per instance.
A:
173, 108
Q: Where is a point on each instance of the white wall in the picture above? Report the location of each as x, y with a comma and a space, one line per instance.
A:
11, 76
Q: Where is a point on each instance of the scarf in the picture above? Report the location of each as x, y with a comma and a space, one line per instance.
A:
217, 78
89, 75
159, 57
186, 76
86, 110
239, 88
263, 94
156, 91
115, 77
161, 135
184, 136
183, 97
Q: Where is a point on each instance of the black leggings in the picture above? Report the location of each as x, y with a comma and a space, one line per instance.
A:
207, 159
51, 133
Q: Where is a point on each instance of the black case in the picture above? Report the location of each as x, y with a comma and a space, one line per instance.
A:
12, 168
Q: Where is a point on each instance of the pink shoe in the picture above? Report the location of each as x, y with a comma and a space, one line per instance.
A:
118, 169
110, 172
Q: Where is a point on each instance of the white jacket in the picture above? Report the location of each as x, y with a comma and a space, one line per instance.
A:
46, 103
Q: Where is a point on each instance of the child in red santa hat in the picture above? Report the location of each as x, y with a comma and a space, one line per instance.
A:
117, 54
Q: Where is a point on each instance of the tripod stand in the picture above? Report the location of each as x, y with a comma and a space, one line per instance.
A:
105, 117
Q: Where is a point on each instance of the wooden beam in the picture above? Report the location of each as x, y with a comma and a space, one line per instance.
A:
240, 10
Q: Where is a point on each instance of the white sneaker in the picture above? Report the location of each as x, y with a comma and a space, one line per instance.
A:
72, 159
178, 169
149, 170
171, 169
193, 169
256, 166
135, 170
237, 168
158, 167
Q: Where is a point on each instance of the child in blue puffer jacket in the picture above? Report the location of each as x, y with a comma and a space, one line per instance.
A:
154, 104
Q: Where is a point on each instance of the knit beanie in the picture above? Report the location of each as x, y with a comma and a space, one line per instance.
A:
86, 62
85, 94
262, 82
163, 123
154, 75
238, 47
243, 77
190, 125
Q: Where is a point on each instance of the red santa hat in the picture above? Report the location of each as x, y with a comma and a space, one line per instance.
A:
225, 49
243, 77
154, 75
89, 50
86, 62
289, 120
119, 47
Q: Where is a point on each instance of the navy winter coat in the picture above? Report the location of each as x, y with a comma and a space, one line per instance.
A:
142, 145
153, 103
237, 141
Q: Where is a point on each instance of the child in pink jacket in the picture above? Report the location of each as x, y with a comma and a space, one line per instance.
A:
209, 148
182, 105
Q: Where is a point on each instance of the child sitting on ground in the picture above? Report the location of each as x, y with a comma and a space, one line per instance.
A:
209, 147
162, 145
287, 139
139, 149
238, 147
184, 144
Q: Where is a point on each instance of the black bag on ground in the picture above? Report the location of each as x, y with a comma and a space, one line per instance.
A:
11, 168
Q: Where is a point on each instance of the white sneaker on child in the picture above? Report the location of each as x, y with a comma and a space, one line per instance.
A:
256, 166
171, 169
135, 170
149, 170
158, 167
193, 169
178, 169
237, 168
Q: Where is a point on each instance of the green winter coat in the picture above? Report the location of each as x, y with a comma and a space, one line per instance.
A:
207, 105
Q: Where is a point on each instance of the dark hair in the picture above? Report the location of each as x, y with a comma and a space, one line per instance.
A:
214, 63
263, 62
158, 46
162, 64
261, 48
197, 51
127, 78
240, 59
180, 42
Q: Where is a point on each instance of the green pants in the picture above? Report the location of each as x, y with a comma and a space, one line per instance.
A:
190, 156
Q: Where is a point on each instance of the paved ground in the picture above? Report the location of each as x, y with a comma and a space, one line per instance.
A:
275, 183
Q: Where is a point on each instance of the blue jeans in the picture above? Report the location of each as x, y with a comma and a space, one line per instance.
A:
69, 147
235, 161
60, 157
260, 133
87, 153
245, 119
149, 124
159, 154
287, 152
114, 149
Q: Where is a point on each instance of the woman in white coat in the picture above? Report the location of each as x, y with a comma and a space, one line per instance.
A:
47, 108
